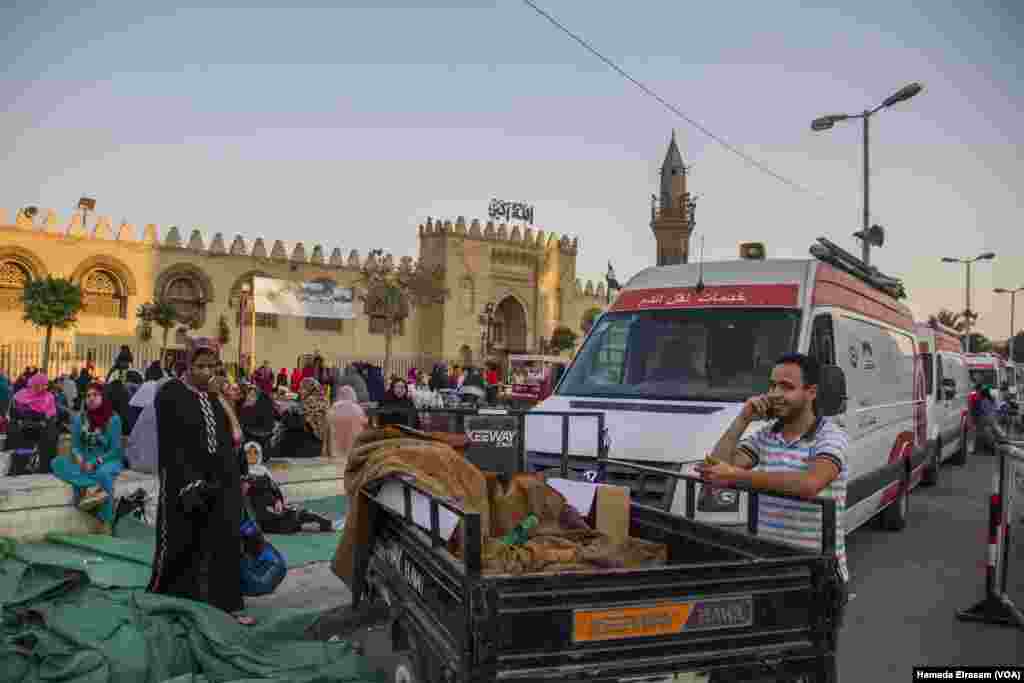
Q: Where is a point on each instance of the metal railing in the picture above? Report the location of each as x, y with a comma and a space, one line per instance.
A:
996, 607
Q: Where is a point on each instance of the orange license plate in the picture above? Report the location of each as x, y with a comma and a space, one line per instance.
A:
662, 620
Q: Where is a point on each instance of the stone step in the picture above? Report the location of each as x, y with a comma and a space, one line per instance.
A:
32, 506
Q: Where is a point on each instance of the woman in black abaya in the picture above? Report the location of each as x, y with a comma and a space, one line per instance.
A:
200, 506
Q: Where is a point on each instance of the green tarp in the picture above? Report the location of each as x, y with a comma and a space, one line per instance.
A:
134, 541
58, 625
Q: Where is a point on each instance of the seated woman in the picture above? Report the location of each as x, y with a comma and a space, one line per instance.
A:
397, 407
347, 420
34, 422
302, 433
273, 513
96, 454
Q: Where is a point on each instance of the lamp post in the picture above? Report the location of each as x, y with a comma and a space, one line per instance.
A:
1013, 307
610, 282
868, 234
486, 321
968, 314
243, 323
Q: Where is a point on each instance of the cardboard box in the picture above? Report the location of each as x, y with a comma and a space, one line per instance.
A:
605, 507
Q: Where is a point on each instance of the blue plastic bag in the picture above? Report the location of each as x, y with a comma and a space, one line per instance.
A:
264, 569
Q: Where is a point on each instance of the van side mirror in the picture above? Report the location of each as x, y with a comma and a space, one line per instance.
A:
832, 391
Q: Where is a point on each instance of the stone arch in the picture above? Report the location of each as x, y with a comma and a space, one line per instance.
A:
26, 259
188, 289
244, 278
513, 333
103, 293
111, 265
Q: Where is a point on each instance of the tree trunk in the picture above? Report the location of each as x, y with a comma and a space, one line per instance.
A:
163, 349
46, 351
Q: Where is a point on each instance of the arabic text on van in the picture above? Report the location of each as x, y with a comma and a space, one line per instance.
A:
683, 298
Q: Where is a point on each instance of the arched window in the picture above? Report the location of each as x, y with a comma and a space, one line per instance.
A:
13, 278
102, 294
185, 295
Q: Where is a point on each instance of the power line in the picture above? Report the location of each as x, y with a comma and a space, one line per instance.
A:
672, 108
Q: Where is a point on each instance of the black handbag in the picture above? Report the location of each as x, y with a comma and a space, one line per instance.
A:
24, 461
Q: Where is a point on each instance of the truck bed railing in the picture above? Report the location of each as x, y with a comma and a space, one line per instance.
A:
828, 506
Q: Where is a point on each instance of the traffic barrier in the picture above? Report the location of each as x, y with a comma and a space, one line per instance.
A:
997, 607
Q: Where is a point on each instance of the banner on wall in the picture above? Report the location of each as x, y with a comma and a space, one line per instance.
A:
317, 299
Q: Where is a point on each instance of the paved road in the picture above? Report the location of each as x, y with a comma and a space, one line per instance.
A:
908, 585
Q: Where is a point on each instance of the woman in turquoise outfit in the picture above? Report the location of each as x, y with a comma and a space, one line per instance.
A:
96, 452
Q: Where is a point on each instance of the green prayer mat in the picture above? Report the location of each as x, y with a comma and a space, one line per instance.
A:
134, 541
59, 626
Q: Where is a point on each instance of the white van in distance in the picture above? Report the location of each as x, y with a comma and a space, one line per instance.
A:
683, 346
947, 386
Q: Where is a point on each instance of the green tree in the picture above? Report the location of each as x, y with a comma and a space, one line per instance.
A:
979, 343
163, 315
562, 339
390, 293
51, 302
589, 317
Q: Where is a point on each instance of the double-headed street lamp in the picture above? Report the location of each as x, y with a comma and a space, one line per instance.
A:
869, 234
1013, 302
968, 313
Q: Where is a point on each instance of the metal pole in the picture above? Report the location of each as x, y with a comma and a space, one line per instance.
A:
967, 313
865, 246
1013, 306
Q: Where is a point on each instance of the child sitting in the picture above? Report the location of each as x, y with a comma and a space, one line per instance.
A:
272, 513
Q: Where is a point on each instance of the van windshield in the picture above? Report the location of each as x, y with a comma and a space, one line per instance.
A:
692, 354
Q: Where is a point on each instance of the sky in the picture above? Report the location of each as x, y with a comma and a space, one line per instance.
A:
348, 124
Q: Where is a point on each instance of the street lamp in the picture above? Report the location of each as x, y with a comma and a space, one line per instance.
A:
868, 235
611, 282
486, 322
1013, 301
968, 314
243, 321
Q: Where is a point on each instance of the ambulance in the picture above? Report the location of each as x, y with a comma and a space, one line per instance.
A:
672, 361
988, 369
947, 386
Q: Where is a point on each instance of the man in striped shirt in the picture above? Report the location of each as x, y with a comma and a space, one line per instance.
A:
799, 453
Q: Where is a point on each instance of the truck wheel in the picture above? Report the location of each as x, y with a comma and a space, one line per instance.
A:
966, 446
930, 476
894, 517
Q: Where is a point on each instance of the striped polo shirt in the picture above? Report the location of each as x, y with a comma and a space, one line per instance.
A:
791, 521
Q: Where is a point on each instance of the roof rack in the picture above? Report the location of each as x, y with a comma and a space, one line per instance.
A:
834, 255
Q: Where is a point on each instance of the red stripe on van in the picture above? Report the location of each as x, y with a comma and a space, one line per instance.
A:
832, 287
712, 296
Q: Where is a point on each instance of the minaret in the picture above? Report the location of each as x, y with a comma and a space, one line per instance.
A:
672, 213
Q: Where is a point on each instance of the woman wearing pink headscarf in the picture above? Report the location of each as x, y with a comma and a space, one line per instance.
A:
347, 420
36, 398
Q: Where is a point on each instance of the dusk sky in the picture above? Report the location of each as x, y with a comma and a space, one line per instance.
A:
349, 126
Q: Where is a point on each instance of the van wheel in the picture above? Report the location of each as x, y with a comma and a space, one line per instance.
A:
894, 517
930, 475
966, 446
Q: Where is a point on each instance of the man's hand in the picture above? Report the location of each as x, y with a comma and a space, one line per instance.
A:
756, 408
720, 473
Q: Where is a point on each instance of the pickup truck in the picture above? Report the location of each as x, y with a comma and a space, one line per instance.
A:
725, 601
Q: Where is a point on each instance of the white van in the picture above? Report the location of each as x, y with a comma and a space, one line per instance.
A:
947, 386
671, 363
990, 369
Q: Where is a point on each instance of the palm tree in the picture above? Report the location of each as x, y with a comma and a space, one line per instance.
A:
163, 315
562, 339
51, 302
389, 294
588, 319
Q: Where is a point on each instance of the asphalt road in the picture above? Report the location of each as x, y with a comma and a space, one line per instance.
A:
910, 584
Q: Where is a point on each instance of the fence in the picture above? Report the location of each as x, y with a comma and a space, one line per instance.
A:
67, 356
997, 607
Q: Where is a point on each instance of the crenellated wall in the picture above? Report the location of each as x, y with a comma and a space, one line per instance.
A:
534, 269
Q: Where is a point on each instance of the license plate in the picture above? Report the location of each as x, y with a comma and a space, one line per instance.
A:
662, 620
